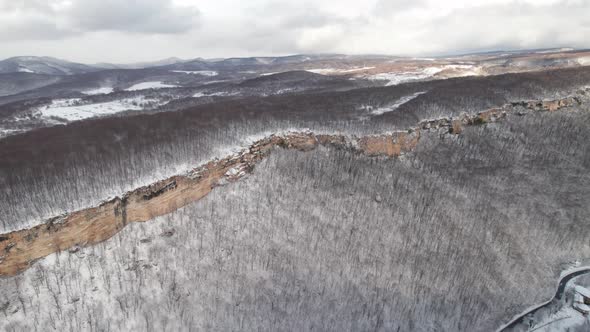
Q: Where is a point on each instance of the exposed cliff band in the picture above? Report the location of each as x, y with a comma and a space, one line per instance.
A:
19, 249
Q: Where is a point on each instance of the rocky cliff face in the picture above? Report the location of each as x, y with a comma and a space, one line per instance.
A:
90, 226
51, 171
448, 205
458, 233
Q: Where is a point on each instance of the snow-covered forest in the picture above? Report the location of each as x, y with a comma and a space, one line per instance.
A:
50, 171
461, 234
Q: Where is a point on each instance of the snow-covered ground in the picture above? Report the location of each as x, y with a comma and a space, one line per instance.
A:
8, 132
285, 90
554, 314
99, 91
25, 70
391, 107
149, 85
460, 67
214, 94
74, 109
198, 72
564, 320
398, 78
465, 70
327, 71
557, 50
395, 78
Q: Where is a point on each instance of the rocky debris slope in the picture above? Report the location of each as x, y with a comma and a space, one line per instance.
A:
20, 249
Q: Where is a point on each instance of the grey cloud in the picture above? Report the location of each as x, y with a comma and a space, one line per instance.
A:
508, 26
141, 16
281, 29
27, 5
41, 20
32, 29
304, 19
158, 28
388, 7
286, 16
24, 20
269, 29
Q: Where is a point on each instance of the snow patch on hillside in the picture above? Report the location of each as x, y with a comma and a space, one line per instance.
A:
392, 107
201, 94
557, 50
395, 78
285, 90
150, 85
25, 70
327, 71
74, 109
565, 319
398, 78
197, 72
99, 91
8, 132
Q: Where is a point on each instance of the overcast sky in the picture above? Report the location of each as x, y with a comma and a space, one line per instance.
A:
125, 31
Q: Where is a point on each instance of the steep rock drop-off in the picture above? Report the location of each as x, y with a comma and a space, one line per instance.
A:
51, 171
461, 234
20, 249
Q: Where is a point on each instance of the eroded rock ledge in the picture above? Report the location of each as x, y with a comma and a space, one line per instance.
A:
20, 249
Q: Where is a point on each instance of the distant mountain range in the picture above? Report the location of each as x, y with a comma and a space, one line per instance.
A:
43, 65
54, 66
141, 65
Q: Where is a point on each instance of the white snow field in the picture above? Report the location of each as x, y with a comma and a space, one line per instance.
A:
201, 94
72, 109
198, 72
458, 70
99, 91
7, 132
398, 78
326, 71
392, 107
25, 70
149, 85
